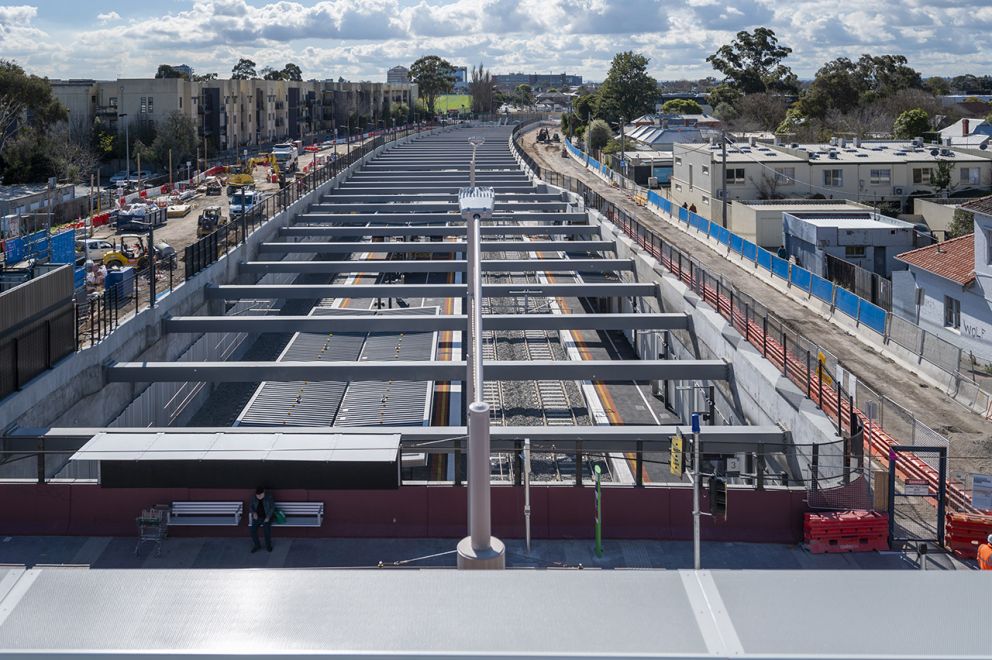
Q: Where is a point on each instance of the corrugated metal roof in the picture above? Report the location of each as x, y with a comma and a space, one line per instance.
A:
305, 403
396, 402
328, 447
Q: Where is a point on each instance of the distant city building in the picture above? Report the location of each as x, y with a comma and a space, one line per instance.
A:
232, 113
461, 79
398, 75
538, 82
948, 287
185, 69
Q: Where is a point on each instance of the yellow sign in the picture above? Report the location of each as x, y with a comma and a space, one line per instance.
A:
677, 459
821, 369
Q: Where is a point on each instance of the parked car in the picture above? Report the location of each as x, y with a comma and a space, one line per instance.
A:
118, 179
141, 175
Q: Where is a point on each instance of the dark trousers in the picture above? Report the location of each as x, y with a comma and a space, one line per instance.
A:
266, 529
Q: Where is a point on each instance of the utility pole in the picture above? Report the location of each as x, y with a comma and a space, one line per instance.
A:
696, 476
527, 491
623, 153
127, 146
723, 193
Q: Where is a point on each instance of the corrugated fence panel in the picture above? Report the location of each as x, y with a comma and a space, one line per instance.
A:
847, 302
801, 278
34, 296
821, 288
872, 316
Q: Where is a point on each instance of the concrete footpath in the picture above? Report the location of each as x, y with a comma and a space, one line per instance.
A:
107, 552
968, 433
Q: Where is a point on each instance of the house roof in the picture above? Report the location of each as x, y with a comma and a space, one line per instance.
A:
953, 260
981, 205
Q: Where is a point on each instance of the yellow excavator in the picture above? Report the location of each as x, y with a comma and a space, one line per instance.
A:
246, 177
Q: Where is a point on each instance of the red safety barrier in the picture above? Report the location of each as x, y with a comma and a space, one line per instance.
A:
964, 532
845, 531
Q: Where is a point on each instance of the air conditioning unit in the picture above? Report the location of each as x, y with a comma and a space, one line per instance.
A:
897, 191
652, 182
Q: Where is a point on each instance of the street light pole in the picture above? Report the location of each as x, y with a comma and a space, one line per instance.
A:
127, 148
696, 513
723, 194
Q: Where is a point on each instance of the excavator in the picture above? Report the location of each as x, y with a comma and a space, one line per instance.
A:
246, 178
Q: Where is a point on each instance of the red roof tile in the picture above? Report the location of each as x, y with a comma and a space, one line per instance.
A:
953, 260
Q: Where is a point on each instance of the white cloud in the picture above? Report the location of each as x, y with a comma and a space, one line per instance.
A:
360, 39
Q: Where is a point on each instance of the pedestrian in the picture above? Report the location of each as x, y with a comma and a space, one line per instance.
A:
263, 509
692, 208
985, 555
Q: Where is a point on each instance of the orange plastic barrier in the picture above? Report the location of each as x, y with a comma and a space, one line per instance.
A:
965, 532
846, 531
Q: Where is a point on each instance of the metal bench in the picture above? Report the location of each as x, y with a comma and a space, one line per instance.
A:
206, 513
302, 514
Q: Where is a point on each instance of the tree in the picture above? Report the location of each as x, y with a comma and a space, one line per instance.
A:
434, 76
70, 160
168, 71
480, 87
244, 70
26, 101
682, 107
523, 95
845, 85
937, 86
178, 133
723, 94
628, 91
911, 123
292, 72
598, 135
584, 106
204, 77
401, 112
268, 73
962, 224
761, 111
884, 75
613, 146
941, 175
752, 63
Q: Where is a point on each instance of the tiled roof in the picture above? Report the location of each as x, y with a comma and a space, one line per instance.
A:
981, 205
953, 260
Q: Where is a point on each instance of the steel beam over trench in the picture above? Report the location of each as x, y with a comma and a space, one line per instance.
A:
305, 291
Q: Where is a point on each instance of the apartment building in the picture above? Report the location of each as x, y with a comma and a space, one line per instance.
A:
398, 75
539, 82
230, 113
862, 172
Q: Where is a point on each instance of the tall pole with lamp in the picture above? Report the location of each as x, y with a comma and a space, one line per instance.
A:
480, 549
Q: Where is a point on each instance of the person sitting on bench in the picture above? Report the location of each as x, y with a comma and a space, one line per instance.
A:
263, 509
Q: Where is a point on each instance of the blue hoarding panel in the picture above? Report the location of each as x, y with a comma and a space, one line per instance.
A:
872, 316
13, 250
64, 247
683, 214
780, 268
847, 302
764, 258
715, 230
749, 250
821, 288
78, 278
801, 277
736, 243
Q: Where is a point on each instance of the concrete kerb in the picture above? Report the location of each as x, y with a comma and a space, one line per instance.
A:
79, 377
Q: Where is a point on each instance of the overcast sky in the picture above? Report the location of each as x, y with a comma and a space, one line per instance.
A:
360, 39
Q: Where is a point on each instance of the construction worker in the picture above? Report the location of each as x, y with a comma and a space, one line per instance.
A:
985, 555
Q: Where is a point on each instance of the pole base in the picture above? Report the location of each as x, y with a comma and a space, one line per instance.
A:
494, 558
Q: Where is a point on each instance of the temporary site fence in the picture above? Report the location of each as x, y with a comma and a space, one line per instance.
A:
823, 378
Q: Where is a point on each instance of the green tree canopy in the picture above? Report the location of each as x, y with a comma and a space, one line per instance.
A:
292, 72
168, 71
598, 135
584, 106
523, 95
244, 70
178, 133
203, 77
911, 123
268, 73
752, 63
434, 76
26, 101
628, 90
682, 107
482, 90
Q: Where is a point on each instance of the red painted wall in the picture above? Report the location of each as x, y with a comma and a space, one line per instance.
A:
420, 511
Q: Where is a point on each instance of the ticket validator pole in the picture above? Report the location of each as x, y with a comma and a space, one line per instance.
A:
480, 549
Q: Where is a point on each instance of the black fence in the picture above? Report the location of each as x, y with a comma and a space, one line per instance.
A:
871, 286
212, 247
